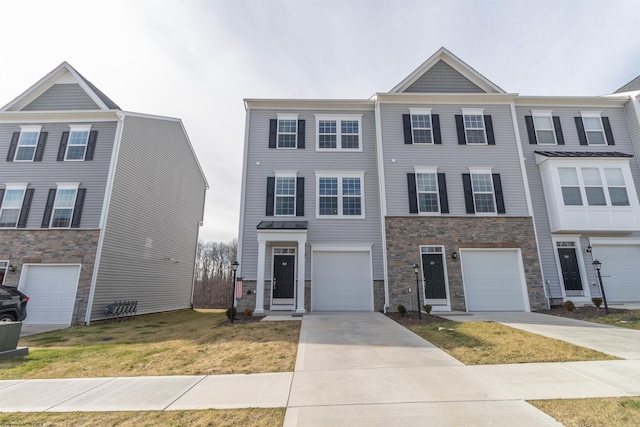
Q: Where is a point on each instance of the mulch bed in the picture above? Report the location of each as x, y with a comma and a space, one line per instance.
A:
411, 318
581, 313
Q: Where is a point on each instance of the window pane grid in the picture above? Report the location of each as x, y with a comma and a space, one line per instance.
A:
287, 131
483, 196
27, 145
285, 196
77, 145
340, 196
338, 134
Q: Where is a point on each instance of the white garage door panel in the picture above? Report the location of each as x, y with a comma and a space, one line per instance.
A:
52, 293
341, 281
492, 280
620, 271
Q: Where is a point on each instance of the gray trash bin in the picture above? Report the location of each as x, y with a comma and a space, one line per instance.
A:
9, 335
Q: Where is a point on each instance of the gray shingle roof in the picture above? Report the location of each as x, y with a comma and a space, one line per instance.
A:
104, 98
587, 154
631, 86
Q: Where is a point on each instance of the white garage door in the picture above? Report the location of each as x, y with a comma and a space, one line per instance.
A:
52, 292
493, 280
620, 271
341, 281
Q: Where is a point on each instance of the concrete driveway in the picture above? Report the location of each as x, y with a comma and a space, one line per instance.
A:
620, 342
362, 369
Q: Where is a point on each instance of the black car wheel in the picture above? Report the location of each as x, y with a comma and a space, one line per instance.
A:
7, 318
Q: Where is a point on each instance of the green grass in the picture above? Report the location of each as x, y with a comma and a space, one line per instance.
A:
488, 343
604, 412
629, 320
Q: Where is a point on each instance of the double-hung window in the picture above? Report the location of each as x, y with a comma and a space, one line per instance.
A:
483, 196
77, 144
340, 195
543, 122
474, 126
593, 187
616, 186
11, 205
483, 192
287, 131
570, 186
27, 144
427, 189
588, 183
285, 196
339, 132
421, 128
63, 207
594, 129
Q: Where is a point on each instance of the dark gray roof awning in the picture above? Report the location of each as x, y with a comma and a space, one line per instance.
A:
282, 225
583, 154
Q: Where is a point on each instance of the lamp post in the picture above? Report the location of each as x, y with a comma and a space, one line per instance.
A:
234, 266
416, 268
598, 265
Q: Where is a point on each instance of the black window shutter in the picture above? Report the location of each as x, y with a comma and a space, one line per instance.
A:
48, 209
488, 123
271, 190
558, 129
468, 193
531, 130
301, 129
91, 145
26, 206
442, 190
435, 125
607, 131
273, 132
582, 136
497, 188
12, 147
413, 193
462, 140
1, 196
42, 140
77, 209
406, 125
63, 146
299, 196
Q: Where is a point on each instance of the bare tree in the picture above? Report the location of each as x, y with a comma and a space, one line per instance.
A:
214, 274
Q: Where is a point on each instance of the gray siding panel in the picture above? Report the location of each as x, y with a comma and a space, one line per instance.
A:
63, 97
622, 136
306, 162
443, 78
44, 175
450, 158
152, 224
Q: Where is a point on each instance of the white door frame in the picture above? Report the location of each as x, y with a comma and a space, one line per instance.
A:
284, 307
586, 288
447, 305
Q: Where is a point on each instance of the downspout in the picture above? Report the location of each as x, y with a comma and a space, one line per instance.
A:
383, 203
527, 193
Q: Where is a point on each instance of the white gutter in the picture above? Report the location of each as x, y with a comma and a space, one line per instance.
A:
383, 203
103, 216
243, 189
527, 192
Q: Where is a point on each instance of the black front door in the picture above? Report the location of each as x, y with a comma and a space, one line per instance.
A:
433, 276
570, 270
283, 276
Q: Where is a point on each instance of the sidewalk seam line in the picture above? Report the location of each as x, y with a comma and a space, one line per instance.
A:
185, 392
79, 394
564, 366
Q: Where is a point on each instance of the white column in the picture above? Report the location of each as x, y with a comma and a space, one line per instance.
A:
301, 265
260, 281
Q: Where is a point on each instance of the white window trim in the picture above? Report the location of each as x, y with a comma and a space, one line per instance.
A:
4, 265
13, 186
283, 174
27, 129
427, 170
286, 117
474, 112
544, 113
421, 112
340, 175
600, 166
575, 239
339, 118
77, 128
483, 171
64, 186
598, 115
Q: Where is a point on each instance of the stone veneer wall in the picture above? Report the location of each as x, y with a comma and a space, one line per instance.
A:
406, 234
52, 247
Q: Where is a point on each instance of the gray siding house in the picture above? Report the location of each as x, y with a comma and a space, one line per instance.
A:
490, 200
96, 204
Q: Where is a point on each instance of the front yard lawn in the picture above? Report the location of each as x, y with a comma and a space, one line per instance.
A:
617, 317
223, 418
186, 342
488, 343
619, 412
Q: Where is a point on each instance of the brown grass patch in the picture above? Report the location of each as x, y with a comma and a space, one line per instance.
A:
620, 411
253, 417
179, 343
488, 343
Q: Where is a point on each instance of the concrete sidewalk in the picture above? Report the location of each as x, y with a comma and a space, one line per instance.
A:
613, 340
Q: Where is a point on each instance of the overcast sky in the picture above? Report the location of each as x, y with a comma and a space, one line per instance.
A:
197, 60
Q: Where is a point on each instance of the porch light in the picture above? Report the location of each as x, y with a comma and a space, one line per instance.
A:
454, 255
598, 265
416, 268
588, 250
11, 268
234, 266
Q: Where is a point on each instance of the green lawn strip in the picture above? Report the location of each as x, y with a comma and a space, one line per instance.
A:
601, 412
488, 343
629, 320
252, 417
186, 342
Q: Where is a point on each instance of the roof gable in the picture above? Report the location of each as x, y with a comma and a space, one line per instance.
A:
632, 86
444, 72
49, 93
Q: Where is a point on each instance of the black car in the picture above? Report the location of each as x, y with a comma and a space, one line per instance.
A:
13, 304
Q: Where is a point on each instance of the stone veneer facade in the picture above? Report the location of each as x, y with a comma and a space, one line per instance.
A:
52, 247
405, 235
